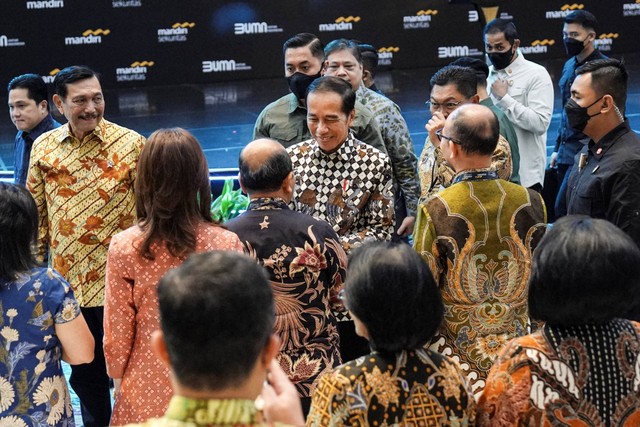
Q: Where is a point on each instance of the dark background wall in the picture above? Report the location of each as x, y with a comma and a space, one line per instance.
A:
162, 42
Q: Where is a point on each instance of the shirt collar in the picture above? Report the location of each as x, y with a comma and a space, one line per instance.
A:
481, 174
44, 125
267, 203
294, 104
203, 412
599, 149
99, 131
343, 152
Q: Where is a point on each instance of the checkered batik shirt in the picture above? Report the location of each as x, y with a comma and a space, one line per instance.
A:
350, 188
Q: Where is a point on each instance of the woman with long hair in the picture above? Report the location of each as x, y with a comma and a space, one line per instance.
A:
173, 198
40, 323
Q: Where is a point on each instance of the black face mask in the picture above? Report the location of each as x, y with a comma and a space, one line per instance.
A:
573, 46
299, 83
578, 116
501, 60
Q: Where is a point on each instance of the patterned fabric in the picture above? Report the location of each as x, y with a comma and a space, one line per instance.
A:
397, 140
306, 265
350, 188
583, 376
411, 388
477, 237
131, 315
33, 390
185, 412
84, 193
436, 173
285, 120
22, 150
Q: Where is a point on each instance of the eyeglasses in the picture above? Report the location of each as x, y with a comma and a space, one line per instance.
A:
441, 136
447, 106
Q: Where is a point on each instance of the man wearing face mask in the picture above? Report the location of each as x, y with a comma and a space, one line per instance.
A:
285, 119
579, 34
523, 90
605, 178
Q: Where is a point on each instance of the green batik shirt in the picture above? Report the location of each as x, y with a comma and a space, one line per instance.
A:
285, 120
397, 140
186, 412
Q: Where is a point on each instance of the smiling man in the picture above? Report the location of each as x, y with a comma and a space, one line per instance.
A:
29, 111
81, 176
285, 119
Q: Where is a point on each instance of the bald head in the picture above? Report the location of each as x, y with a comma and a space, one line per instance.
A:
476, 128
264, 166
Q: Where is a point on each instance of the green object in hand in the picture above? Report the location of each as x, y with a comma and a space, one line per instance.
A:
229, 204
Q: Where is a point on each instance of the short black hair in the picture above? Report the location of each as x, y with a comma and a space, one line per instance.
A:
19, 225
608, 76
304, 40
33, 83
343, 44
328, 84
216, 315
390, 289
463, 78
479, 67
269, 175
500, 25
585, 271
584, 18
370, 57
71, 75
475, 134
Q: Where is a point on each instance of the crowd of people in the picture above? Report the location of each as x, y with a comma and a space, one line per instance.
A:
364, 285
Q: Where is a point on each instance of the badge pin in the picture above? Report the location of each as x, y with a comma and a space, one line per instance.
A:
599, 151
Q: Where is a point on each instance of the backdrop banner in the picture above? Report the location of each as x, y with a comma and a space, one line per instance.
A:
161, 42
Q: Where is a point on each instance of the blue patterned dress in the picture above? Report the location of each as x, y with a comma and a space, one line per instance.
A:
33, 390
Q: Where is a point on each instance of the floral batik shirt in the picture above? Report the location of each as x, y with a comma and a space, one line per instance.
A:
585, 375
84, 193
350, 188
306, 265
478, 237
33, 390
411, 388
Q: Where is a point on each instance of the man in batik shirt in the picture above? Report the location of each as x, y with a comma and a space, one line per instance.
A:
477, 236
342, 181
304, 259
451, 87
81, 177
344, 60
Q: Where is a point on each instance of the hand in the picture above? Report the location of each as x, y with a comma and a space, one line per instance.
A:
499, 88
406, 227
116, 386
553, 161
281, 401
435, 123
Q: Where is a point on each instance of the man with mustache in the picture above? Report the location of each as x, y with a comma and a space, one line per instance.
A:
285, 119
81, 176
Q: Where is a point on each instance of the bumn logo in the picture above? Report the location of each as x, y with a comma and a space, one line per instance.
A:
223, 66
